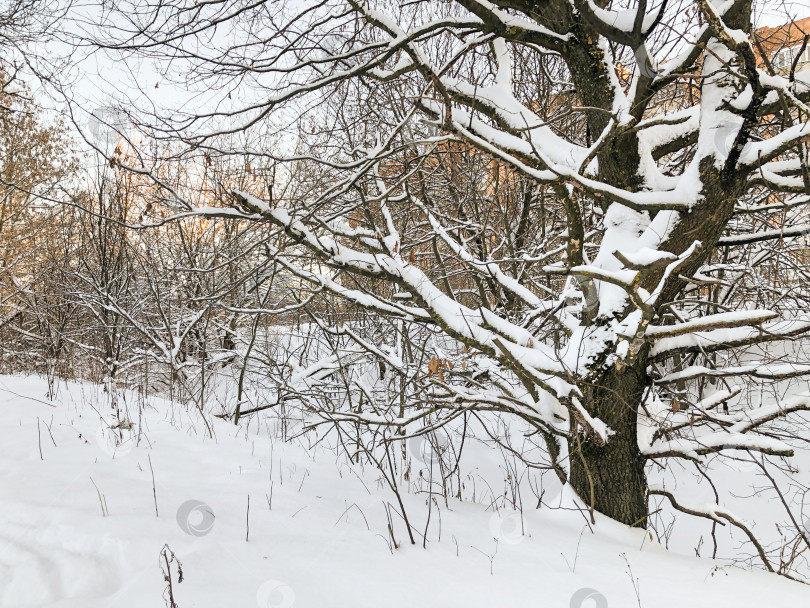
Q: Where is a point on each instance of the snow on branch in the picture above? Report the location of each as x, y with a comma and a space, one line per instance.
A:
711, 322
765, 371
732, 337
479, 328
729, 431
713, 442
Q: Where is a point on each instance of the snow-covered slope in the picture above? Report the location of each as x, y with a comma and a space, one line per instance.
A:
323, 542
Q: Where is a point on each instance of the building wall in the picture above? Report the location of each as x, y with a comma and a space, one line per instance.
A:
782, 44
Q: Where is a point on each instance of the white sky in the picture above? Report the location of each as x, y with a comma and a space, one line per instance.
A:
773, 12
100, 82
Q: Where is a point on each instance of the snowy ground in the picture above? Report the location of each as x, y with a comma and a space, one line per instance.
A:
322, 544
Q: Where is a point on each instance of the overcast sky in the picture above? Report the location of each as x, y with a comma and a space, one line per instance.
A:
100, 82
772, 12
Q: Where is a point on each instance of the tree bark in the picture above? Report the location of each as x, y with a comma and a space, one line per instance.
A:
611, 477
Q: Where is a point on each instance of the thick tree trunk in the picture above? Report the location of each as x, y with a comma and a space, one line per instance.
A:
611, 477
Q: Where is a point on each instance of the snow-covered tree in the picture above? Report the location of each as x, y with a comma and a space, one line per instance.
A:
566, 191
